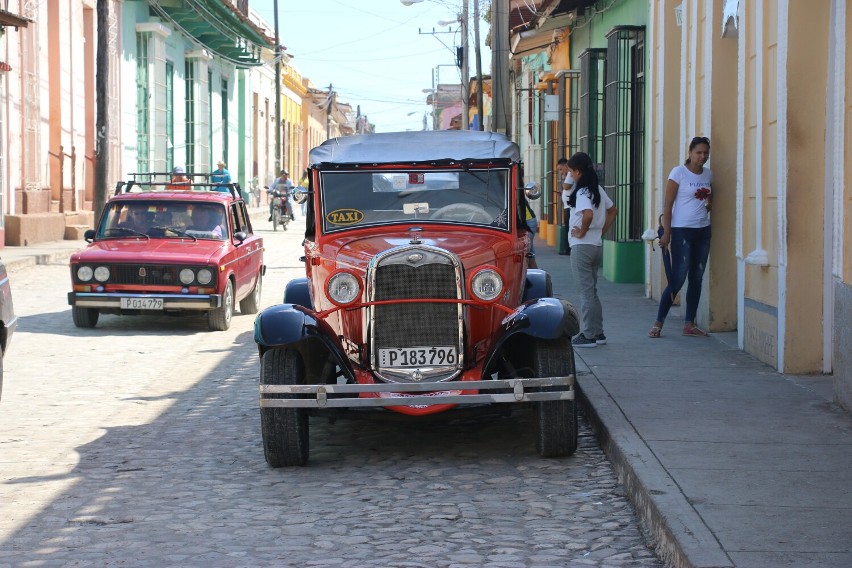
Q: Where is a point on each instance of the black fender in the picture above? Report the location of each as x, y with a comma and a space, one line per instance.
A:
537, 285
544, 318
298, 292
297, 327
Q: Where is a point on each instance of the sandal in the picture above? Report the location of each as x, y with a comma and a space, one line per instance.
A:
655, 331
692, 330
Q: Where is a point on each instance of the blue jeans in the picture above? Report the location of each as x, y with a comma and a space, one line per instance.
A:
689, 249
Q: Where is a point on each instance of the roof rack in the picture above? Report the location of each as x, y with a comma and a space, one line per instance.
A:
162, 185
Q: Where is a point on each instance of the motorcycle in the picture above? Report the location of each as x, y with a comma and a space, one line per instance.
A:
281, 212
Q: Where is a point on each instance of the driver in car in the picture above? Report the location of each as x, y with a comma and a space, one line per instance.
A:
137, 220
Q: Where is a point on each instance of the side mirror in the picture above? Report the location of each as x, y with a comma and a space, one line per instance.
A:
89, 235
240, 236
300, 194
532, 190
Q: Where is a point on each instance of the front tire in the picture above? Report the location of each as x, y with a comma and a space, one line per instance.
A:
555, 420
219, 319
285, 431
85, 317
250, 304
276, 218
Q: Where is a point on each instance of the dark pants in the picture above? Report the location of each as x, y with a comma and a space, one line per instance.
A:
566, 216
689, 249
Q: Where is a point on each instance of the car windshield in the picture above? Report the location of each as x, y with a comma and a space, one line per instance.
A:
365, 198
164, 219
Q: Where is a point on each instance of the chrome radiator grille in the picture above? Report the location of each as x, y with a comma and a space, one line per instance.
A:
415, 324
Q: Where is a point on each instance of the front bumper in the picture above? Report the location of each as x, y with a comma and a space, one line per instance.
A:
316, 396
112, 301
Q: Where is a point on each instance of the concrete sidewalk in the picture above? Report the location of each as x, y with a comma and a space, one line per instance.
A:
728, 462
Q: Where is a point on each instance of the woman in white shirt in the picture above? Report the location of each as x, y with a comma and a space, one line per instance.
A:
592, 214
686, 229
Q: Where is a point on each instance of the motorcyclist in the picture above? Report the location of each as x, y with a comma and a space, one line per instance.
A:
282, 186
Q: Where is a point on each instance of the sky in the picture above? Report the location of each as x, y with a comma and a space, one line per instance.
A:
378, 54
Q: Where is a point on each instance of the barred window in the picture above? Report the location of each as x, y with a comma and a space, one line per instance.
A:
624, 178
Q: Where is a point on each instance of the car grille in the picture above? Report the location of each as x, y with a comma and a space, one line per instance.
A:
147, 274
415, 273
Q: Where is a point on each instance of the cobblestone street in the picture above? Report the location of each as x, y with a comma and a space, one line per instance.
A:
137, 443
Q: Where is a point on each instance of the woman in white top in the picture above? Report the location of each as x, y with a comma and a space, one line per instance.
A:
686, 227
592, 214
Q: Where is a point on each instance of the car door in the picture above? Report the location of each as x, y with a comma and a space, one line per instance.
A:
250, 251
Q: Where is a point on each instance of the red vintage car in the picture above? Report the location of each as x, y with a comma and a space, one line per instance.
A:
418, 296
159, 249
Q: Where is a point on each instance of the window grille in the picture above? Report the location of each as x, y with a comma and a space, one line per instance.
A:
170, 115
591, 93
210, 116
624, 178
143, 125
224, 120
569, 90
189, 123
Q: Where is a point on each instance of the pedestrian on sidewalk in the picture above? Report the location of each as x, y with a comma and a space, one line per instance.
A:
567, 184
686, 227
592, 214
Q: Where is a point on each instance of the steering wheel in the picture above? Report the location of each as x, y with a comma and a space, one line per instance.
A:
469, 212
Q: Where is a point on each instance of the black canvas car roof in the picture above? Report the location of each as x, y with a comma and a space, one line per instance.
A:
419, 146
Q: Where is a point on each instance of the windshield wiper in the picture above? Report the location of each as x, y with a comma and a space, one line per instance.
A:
176, 231
127, 230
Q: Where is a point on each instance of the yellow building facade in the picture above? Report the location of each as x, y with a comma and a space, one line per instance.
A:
770, 83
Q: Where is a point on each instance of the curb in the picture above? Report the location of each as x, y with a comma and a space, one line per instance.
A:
682, 540
16, 264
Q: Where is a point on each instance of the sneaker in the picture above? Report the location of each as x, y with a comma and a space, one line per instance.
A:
600, 339
270, 218
582, 341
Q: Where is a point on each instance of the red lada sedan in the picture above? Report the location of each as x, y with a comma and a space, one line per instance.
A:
161, 250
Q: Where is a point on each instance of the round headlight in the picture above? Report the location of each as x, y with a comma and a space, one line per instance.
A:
186, 276
487, 285
343, 288
205, 276
84, 273
102, 274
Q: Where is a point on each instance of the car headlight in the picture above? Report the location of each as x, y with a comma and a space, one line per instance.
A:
85, 273
343, 288
487, 285
102, 274
187, 275
205, 276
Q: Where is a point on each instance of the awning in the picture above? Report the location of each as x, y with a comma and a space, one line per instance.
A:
538, 39
218, 27
14, 20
